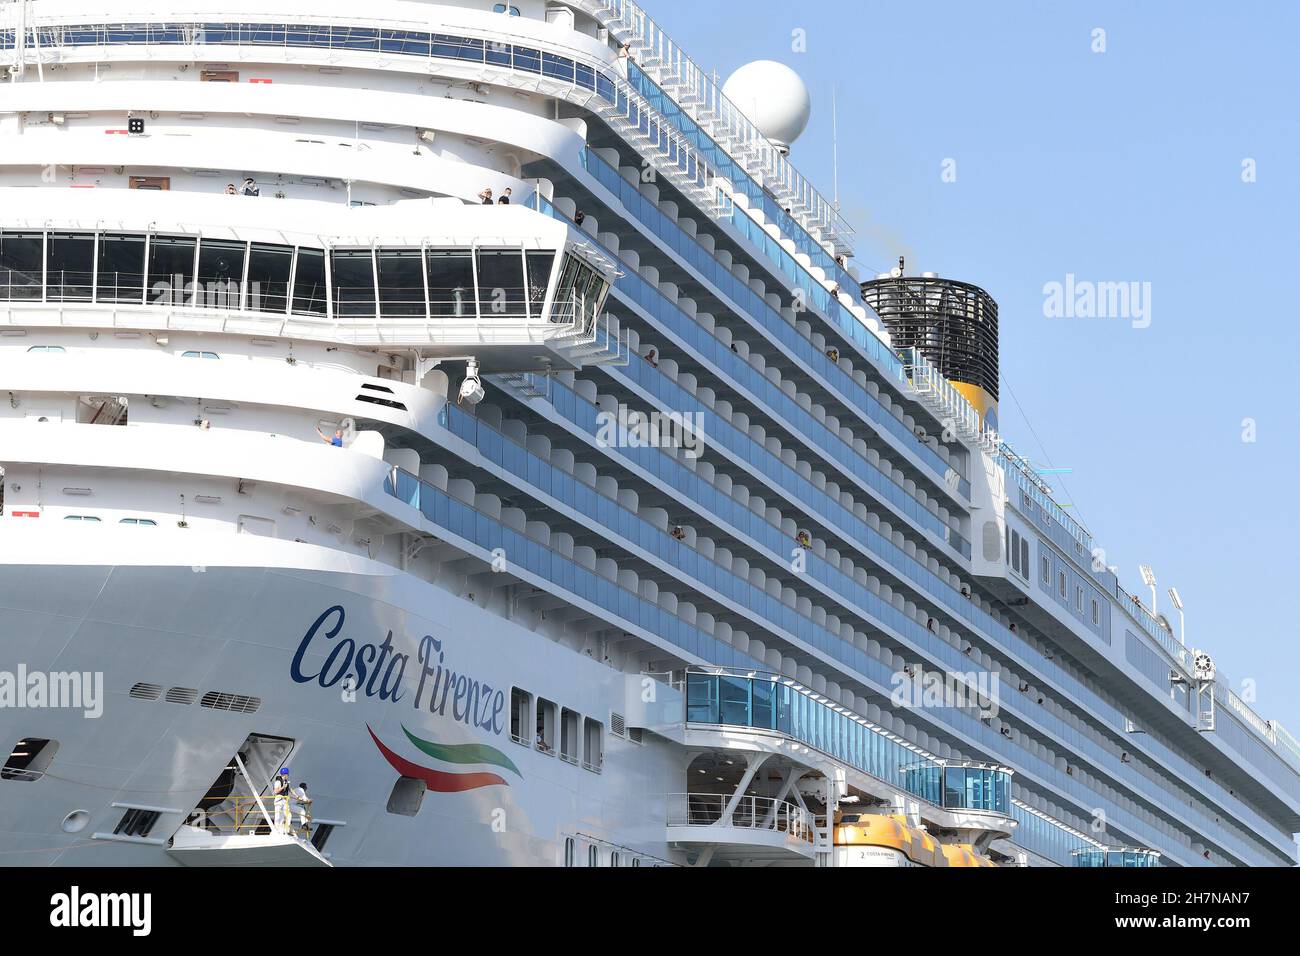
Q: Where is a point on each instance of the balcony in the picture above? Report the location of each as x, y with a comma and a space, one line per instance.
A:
740, 828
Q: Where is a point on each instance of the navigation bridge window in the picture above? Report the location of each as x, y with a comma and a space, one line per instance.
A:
482, 283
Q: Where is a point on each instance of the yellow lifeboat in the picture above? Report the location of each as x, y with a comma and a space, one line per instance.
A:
877, 839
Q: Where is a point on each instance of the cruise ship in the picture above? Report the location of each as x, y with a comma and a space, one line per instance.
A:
457, 434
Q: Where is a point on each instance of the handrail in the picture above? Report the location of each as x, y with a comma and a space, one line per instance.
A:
750, 813
705, 103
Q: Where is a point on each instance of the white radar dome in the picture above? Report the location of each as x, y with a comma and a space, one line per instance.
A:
774, 98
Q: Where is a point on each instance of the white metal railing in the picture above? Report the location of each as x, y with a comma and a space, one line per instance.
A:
670, 151
750, 813
700, 96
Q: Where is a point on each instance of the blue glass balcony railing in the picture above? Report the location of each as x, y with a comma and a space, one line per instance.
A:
488, 533
670, 473
702, 344
757, 310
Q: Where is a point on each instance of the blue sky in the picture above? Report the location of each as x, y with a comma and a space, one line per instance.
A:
1120, 166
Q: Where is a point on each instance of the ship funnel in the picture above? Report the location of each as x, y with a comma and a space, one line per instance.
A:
953, 324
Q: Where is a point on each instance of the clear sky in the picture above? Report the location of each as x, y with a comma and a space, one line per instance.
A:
1117, 166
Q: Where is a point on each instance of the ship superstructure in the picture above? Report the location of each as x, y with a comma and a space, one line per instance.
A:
604, 526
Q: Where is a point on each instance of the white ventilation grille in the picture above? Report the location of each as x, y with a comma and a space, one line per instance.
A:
616, 724
181, 695
237, 703
143, 691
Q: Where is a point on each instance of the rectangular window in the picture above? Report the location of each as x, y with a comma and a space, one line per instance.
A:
500, 282
1096, 612
401, 283
69, 266
593, 744
568, 735
121, 268
20, 265
544, 727
521, 713
451, 282
540, 266
1060, 583
1024, 558
354, 282
1046, 564
1078, 598
221, 273
171, 269
268, 277
155, 183
309, 293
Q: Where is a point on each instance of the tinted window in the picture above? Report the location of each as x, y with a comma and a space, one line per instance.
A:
69, 266
221, 273
540, 265
501, 282
354, 281
401, 283
121, 268
309, 283
451, 282
20, 265
171, 268
268, 277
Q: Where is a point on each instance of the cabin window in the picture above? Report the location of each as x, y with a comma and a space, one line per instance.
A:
80, 518
121, 268
1096, 615
593, 855
221, 273
521, 712
569, 735
1046, 565
593, 744
156, 183
139, 522
570, 851
544, 727
401, 283
200, 355
500, 282
1078, 598
171, 269
48, 349
309, 296
269, 268
28, 759
451, 282
69, 266
505, 8
20, 265
1060, 582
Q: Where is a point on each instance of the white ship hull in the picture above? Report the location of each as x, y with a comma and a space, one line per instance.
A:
238, 630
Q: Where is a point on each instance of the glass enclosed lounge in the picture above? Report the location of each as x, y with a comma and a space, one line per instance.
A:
186, 271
